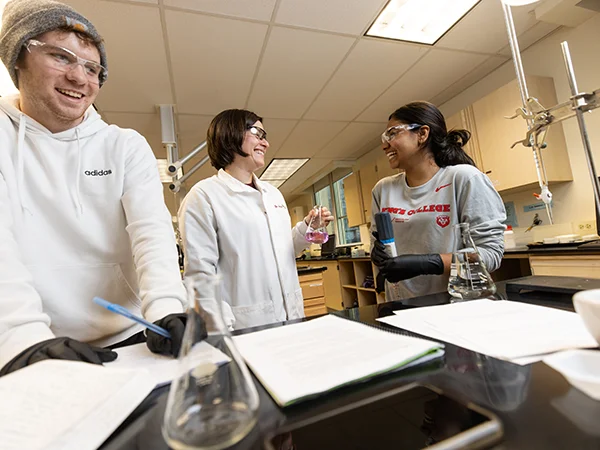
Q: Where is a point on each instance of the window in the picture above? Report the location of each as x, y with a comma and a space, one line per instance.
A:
329, 192
323, 198
346, 234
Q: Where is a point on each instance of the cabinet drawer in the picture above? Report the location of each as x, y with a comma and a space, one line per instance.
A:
310, 277
315, 310
314, 302
312, 289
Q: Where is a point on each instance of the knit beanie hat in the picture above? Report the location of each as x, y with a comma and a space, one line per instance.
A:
25, 19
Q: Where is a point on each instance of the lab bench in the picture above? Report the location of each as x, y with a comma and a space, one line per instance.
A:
538, 408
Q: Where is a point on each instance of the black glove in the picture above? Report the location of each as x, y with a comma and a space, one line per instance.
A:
408, 266
380, 283
174, 324
379, 254
59, 348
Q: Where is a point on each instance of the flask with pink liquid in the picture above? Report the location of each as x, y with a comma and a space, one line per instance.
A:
316, 231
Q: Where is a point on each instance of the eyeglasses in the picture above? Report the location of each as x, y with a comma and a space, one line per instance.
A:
390, 134
64, 60
258, 132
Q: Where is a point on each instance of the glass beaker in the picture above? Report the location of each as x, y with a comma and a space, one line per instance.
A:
469, 278
213, 403
316, 231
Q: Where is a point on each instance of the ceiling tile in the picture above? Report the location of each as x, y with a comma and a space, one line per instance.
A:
489, 65
191, 132
255, 9
352, 140
370, 68
312, 169
148, 125
137, 63
484, 29
342, 16
295, 67
214, 60
308, 138
431, 75
531, 36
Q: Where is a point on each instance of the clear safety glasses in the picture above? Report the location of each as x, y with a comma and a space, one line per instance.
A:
258, 132
64, 60
390, 134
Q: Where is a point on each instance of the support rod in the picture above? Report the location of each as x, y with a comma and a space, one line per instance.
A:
581, 122
540, 168
175, 165
176, 184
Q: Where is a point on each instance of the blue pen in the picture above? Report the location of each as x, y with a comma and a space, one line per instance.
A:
126, 313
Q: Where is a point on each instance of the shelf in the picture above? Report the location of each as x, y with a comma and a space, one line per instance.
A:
360, 288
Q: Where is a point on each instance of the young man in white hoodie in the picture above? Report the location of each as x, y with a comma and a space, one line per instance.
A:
81, 205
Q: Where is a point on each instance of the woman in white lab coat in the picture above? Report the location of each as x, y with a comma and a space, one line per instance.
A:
237, 226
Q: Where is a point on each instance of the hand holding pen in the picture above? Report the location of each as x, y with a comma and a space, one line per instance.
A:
164, 336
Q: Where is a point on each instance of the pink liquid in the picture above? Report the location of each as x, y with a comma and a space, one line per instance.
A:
317, 237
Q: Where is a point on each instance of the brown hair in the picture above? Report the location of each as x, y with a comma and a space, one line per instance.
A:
445, 146
225, 135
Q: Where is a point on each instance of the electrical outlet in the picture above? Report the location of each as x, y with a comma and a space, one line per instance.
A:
585, 227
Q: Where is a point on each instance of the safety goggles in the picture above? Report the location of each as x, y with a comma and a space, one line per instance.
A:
64, 60
390, 134
258, 132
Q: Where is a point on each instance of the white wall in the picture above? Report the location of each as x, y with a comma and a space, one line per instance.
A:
573, 201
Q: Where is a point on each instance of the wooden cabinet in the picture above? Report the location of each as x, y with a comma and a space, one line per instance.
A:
465, 120
354, 204
515, 168
332, 288
368, 180
313, 293
358, 187
353, 273
585, 266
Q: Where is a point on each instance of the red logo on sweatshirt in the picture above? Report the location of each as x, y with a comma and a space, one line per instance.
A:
439, 188
442, 221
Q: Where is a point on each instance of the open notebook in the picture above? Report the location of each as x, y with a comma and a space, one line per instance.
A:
298, 361
66, 405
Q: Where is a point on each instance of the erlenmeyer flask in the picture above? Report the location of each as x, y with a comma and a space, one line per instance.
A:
213, 403
469, 278
316, 231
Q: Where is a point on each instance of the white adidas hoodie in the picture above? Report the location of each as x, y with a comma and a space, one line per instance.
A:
81, 215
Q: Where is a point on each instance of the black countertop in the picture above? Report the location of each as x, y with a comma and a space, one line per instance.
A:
303, 270
537, 406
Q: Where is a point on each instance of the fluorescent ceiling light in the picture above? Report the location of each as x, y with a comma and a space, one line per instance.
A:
279, 170
162, 170
422, 21
7, 87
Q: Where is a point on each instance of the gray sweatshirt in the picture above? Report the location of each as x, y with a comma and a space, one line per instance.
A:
424, 217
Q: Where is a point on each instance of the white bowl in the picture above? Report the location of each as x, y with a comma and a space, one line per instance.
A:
587, 305
581, 368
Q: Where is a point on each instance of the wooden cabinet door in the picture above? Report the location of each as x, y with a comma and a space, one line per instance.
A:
354, 206
368, 180
465, 120
514, 168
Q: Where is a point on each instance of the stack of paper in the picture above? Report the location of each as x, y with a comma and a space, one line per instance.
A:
297, 361
66, 405
514, 331
164, 369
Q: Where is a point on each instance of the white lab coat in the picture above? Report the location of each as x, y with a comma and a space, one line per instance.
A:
244, 235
